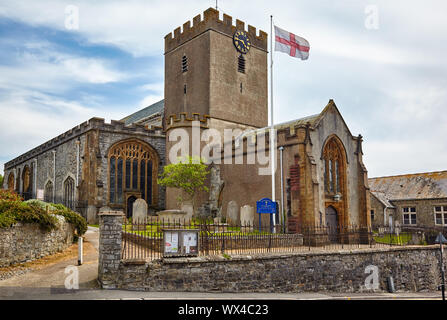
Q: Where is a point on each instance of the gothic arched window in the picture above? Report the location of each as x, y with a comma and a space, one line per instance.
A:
11, 181
333, 167
69, 188
133, 167
48, 192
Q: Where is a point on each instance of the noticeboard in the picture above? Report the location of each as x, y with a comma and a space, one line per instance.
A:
266, 205
180, 242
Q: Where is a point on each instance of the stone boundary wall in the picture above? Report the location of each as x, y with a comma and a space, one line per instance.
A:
25, 242
413, 269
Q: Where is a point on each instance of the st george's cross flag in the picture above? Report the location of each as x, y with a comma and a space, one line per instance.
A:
291, 44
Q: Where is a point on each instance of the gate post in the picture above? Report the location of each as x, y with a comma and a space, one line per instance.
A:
110, 238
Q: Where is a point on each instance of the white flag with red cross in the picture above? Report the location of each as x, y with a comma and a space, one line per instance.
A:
291, 44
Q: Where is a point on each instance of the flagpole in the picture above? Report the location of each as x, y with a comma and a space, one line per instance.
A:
272, 127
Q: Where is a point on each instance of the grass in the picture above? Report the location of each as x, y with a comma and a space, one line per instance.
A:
403, 238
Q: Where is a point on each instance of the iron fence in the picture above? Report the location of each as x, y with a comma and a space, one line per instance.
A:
144, 240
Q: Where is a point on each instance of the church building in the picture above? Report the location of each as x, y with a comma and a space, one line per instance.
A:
216, 76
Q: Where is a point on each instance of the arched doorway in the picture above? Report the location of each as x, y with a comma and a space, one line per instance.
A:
130, 202
332, 223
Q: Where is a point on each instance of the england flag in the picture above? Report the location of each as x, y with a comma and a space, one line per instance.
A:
291, 44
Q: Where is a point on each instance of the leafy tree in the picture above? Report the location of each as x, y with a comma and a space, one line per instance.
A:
1, 181
188, 175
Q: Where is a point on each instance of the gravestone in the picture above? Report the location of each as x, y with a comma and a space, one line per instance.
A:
247, 216
232, 213
139, 211
188, 207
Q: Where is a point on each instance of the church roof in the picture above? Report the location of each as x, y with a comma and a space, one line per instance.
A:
429, 185
144, 113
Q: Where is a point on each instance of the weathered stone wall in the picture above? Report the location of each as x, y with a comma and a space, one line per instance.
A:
412, 269
25, 242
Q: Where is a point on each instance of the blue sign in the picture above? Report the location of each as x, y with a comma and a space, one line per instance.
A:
266, 205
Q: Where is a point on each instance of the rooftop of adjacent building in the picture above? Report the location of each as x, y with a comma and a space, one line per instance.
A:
426, 185
144, 113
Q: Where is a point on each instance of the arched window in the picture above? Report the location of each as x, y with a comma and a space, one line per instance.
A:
11, 181
133, 167
69, 187
333, 167
48, 192
26, 180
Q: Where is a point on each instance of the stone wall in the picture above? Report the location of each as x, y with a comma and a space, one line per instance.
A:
414, 269
25, 242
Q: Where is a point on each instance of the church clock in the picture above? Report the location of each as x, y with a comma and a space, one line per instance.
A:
241, 41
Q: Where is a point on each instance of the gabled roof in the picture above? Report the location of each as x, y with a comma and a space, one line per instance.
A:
312, 120
382, 198
144, 113
429, 185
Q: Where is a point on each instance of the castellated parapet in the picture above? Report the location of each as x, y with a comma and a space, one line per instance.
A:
184, 119
91, 124
211, 21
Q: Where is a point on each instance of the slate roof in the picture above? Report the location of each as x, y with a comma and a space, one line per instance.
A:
144, 113
429, 185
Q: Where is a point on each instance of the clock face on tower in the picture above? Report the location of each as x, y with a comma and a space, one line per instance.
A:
241, 41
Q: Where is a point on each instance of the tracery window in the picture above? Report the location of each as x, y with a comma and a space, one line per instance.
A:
333, 160
132, 167
69, 188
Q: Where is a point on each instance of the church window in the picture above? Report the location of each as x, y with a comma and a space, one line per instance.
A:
69, 188
131, 169
48, 192
27, 183
409, 215
372, 215
11, 181
184, 63
333, 167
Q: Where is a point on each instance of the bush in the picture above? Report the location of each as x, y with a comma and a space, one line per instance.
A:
36, 211
70, 216
12, 212
9, 195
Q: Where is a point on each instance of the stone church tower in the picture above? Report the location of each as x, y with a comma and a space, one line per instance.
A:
206, 74
208, 79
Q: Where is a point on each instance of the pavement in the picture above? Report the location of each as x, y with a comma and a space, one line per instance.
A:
49, 282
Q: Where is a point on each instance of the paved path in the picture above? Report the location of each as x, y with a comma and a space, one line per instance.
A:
51, 278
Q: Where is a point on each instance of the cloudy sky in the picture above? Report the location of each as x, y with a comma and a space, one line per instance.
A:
381, 61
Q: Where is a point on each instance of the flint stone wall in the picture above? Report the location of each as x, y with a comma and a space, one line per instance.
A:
413, 270
26, 242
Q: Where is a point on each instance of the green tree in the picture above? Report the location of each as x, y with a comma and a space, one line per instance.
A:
187, 174
1, 181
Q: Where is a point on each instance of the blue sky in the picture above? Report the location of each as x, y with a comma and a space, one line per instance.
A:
389, 81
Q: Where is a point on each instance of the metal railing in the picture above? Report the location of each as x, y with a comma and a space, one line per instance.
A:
144, 240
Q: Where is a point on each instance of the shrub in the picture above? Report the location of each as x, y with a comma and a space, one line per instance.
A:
12, 212
9, 195
70, 216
